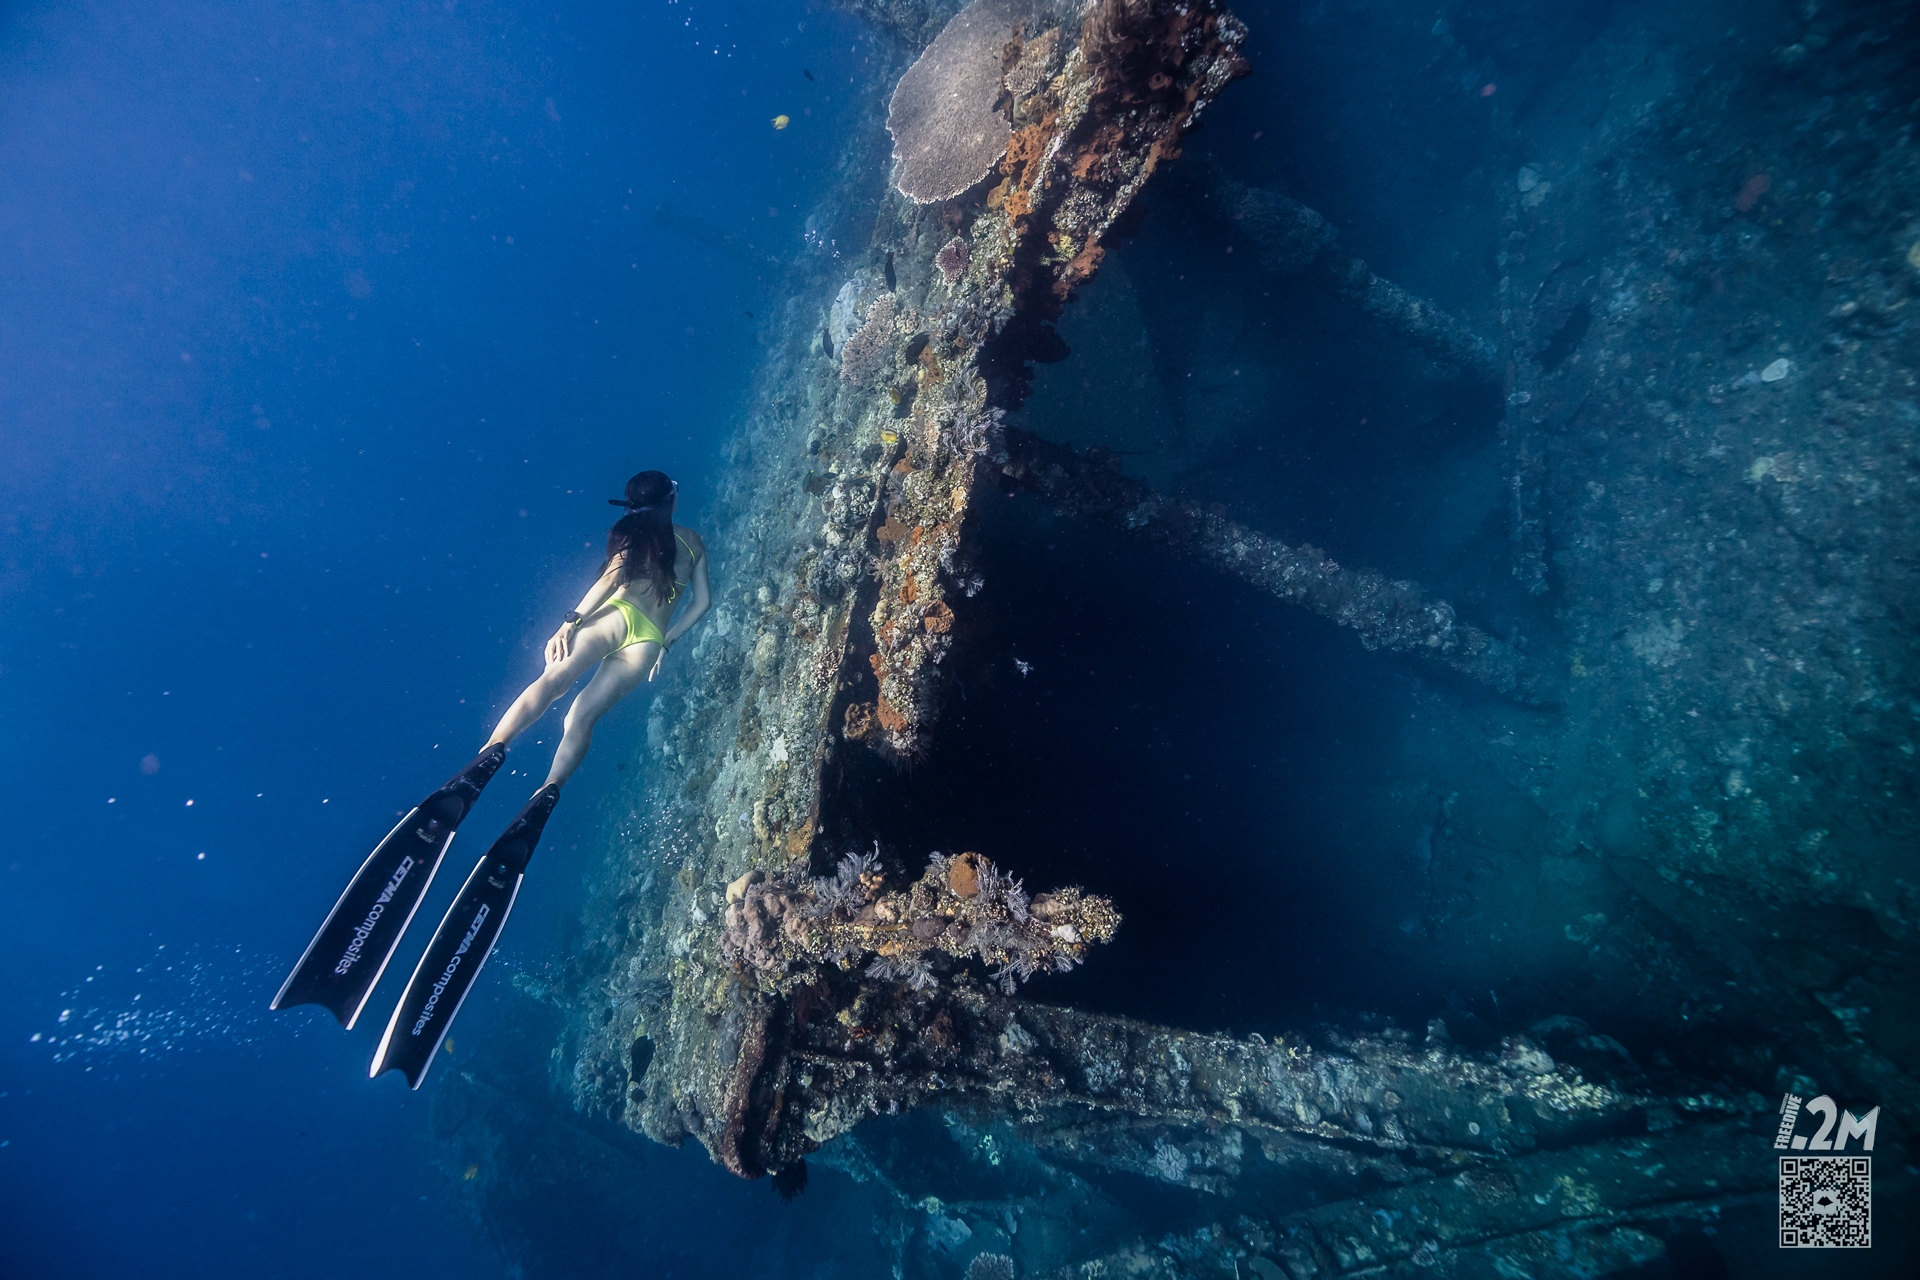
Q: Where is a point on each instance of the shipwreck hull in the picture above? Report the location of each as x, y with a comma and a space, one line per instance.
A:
878, 416
731, 994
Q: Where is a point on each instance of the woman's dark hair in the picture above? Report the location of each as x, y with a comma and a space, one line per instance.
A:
645, 533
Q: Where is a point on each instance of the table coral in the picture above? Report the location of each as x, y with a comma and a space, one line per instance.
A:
947, 130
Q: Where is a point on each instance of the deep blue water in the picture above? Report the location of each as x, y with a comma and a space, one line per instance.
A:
325, 331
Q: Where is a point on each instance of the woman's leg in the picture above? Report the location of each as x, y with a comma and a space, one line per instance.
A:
614, 680
591, 643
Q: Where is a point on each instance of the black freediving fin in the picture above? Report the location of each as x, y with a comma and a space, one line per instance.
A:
346, 958
460, 946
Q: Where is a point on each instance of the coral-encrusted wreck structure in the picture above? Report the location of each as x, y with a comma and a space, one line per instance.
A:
764, 978
891, 418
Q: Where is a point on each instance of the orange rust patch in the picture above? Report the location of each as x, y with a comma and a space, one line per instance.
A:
910, 591
892, 531
1026, 148
890, 720
963, 875
1021, 166
1105, 140
1079, 270
939, 619
859, 720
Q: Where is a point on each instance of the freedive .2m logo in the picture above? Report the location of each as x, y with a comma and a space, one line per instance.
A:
1826, 1201
1791, 1107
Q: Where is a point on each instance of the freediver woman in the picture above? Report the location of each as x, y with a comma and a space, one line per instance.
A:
625, 624
620, 623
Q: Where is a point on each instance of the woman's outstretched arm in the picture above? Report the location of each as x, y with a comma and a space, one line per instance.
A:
605, 585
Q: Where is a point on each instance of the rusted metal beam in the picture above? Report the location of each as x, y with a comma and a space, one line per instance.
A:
1293, 239
1386, 613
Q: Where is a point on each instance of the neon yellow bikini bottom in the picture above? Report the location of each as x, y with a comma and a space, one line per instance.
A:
640, 628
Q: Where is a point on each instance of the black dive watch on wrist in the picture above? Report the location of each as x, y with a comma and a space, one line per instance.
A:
572, 619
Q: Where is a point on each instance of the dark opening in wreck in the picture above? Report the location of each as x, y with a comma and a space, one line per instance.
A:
1107, 765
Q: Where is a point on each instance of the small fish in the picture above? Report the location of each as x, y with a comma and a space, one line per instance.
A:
826, 342
890, 277
808, 74
747, 314
781, 122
